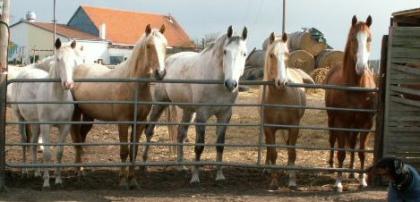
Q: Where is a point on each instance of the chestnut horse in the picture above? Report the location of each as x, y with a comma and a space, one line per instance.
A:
353, 72
275, 69
147, 58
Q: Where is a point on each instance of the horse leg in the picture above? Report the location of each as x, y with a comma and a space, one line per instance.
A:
221, 132
291, 153
45, 135
64, 130
182, 133
24, 139
133, 155
123, 136
362, 146
332, 139
156, 112
35, 130
200, 131
341, 155
85, 128
352, 144
270, 138
75, 131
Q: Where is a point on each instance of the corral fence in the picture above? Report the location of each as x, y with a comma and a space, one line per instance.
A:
260, 144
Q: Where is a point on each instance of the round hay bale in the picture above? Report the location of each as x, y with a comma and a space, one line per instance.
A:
320, 74
329, 58
304, 41
301, 59
255, 73
256, 59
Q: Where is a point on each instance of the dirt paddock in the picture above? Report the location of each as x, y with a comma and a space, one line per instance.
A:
168, 184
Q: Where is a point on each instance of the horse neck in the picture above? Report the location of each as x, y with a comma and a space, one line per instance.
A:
135, 66
214, 59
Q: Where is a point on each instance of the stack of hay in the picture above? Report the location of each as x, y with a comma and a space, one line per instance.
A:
308, 51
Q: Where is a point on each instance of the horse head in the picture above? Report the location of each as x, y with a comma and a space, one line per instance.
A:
359, 43
67, 58
156, 44
275, 60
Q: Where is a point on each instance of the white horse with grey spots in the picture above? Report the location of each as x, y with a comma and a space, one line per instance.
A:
66, 60
224, 60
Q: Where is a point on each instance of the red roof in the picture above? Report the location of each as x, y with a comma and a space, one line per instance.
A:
65, 31
126, 27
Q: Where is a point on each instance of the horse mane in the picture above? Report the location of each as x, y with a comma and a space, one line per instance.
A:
218, 45
45, 63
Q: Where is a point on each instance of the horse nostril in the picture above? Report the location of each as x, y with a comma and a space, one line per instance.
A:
235, 84
226, 84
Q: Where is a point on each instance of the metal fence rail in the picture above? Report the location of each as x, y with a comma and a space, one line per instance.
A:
260, 145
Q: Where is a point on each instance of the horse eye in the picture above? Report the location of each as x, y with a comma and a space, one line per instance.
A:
271, 55
224, 52
244, 54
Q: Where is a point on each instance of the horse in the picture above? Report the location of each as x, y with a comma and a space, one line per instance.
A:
354, 71
65, 61
223, 60
275, 69
147, 59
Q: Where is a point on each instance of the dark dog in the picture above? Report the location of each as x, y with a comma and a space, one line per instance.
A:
404, 179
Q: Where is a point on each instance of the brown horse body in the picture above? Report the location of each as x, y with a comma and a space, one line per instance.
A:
346, 75
281, 94
144, 59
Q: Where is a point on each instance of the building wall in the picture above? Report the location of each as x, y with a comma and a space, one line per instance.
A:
94, 50
81, 21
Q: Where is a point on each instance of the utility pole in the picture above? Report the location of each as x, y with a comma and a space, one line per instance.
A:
284, 17
55, 23
4, 44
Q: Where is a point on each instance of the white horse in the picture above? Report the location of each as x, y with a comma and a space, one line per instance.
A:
224, 60
65, 61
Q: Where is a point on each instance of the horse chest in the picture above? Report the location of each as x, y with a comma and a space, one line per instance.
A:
280, 115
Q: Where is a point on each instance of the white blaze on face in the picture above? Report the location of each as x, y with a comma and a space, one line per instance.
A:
67, 61
234, 58
282, 49
362, 52
160, 46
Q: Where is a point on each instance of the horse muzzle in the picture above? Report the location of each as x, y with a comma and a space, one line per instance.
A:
159, 75
280, 84
231, 85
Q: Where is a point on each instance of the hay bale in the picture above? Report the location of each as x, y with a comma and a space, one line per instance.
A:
320, 74
301, 59
256, 58
329, 58
304, 41
254, 73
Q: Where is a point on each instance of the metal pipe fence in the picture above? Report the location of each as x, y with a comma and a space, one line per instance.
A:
260, 145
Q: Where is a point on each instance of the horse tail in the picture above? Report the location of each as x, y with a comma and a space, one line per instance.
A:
305, 77
172, 115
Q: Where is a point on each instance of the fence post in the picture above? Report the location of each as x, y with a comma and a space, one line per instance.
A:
4, 44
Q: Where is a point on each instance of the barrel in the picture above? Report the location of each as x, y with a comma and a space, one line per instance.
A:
301, 59
329, 58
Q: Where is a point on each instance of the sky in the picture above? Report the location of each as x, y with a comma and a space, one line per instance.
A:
199, 17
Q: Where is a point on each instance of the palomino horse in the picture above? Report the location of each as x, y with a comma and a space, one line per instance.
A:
147, 58
65, 61
223, 60
353, 72
275, 70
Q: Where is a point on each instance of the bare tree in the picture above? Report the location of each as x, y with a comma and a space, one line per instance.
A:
206, 40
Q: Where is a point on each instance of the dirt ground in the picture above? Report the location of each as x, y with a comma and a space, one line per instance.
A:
167, 184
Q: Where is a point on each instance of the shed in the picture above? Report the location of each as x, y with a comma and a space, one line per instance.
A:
401, 51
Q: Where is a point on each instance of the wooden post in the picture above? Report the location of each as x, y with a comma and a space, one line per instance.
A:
4, 44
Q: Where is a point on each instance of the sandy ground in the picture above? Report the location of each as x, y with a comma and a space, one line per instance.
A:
167, 184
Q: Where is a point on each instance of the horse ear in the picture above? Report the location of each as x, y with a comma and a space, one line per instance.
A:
230, 31
369, 21
284, 37
272, 37
245, 33
354, 20
148, 29
57, 43
73, 44
162, 29
82, 48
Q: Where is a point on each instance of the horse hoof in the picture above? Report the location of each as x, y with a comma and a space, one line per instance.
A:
58, 181
195, 180
293, 187
123, 185
46, 188
133, 184
273, 186
37, 173
220, 177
